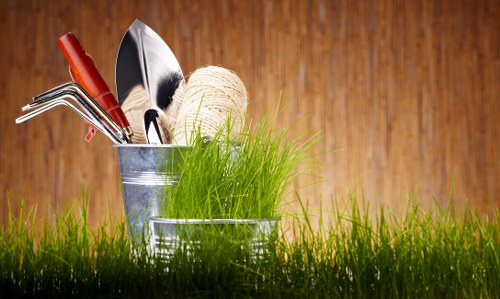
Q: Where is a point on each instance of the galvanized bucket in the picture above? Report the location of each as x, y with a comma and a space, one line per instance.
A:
146, 170
168, 235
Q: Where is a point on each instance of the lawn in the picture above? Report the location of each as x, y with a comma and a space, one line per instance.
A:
422, 253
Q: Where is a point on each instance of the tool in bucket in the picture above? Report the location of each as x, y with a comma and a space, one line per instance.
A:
83, 71
89, 110
150, 87
148, 76
89, 90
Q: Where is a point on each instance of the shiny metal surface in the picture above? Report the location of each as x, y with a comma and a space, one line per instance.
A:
87, 103
58, 97
146, 170
154, 134
144, 59
167, 234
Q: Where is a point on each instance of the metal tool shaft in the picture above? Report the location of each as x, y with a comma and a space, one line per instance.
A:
92, 112
86, 101
61, 101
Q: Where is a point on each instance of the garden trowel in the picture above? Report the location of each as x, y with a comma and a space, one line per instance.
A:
147, 77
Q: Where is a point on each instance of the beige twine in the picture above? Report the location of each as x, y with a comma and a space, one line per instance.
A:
213, 96
134, 106
138, 102
170, 117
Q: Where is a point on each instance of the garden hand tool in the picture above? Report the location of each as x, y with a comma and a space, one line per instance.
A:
90, 110
145, 63
84, 72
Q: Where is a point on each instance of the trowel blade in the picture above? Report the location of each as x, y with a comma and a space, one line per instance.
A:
145, 60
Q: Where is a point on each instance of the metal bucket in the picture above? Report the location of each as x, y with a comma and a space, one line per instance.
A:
168, 235
146, 170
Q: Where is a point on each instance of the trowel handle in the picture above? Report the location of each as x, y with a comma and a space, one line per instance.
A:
83, 70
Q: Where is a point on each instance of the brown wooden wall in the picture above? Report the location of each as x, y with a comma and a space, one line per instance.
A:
410, 90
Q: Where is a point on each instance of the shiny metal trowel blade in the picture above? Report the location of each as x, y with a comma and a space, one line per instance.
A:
145, 60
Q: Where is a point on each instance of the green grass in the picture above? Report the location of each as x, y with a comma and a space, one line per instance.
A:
423, 253
243, 180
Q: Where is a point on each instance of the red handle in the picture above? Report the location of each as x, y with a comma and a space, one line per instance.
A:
84, 72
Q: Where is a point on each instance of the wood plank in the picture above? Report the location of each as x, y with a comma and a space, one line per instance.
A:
409, 89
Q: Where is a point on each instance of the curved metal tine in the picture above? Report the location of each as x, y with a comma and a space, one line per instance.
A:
86, 103
85, 100
61, 101
43, 98
52, 104
76, 110
96, 107
112, 132
107, 127
54, 96
52, 91
49, 95
93, 106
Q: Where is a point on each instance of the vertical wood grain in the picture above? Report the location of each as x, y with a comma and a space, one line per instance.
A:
410, 90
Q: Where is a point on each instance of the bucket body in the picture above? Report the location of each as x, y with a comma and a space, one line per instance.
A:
146, 170
168, 235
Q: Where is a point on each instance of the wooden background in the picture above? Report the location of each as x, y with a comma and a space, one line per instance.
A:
410, 90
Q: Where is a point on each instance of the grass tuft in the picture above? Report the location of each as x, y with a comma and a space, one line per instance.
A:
249, 179
425, 253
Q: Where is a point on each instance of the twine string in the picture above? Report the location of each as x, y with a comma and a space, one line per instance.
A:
214, 96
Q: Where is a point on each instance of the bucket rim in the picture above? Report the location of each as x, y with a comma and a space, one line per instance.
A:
157, 219
135, 145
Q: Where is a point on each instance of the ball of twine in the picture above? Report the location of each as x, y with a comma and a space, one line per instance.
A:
214, 96
170, 117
